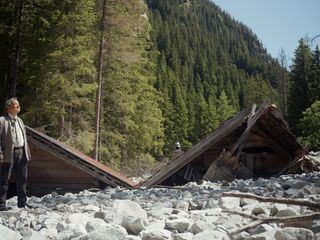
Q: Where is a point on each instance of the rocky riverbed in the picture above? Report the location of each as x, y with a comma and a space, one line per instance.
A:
190, 212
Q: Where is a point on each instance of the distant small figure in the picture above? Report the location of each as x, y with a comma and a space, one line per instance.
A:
178, 146
177, 152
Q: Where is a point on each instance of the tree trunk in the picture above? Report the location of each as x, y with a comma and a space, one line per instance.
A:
99, 81
17, 50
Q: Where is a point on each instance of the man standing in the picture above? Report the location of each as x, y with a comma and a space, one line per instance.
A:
14, 154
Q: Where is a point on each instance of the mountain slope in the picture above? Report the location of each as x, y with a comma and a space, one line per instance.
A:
208, 67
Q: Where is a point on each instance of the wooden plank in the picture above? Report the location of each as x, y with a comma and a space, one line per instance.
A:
62, 180
277, 147
79, 163
78, 159
196, 150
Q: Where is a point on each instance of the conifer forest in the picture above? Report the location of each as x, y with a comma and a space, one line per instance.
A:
124, 80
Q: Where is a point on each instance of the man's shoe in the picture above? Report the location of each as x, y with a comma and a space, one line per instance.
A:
5, 208
25, 205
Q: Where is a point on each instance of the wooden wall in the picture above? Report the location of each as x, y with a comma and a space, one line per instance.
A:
48, 173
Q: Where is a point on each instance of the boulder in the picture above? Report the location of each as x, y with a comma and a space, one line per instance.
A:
130, 215
29, 234
108, 233
156, 235
180, 224
183, 236
201, 226
290, 233
71, 231
210, 235
10, 235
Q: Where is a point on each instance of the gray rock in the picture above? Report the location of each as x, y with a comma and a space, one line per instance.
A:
230, 203
268, 235
50, 223
180, 224
211, 203
182, 205
290, 233
287, 212
10, 235
109, 233
129, 215
72, 231
156, 235
183, 236
49, 232
61, 226
258, 210
78, 218
160, 213
29, 234
90, 208
134, 225
131, 237
95, 224
156, 225
316, 226
262, 228
125, 195
201, 226
276, 208
210, 235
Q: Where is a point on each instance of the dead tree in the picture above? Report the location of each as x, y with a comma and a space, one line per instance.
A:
99, 82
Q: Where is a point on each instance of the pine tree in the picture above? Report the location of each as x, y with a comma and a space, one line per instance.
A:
225, 109
65, 80
314, 81
310, 127
299, 80
131, 129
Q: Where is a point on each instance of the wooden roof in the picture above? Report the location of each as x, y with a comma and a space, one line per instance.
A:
78, 159
266, 121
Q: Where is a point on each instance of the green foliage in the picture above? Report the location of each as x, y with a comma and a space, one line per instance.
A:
205, 55
310, 127
173, 75
299, 78
314, 81
132, 130
225, 109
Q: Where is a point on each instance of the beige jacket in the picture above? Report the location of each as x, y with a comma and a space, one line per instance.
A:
6, 141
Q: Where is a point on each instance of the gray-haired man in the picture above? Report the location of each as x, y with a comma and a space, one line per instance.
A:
14, 154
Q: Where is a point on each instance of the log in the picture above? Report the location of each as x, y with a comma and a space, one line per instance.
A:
288, 221
305, 203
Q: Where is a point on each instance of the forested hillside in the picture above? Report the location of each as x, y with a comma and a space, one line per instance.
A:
170, 71
209, 66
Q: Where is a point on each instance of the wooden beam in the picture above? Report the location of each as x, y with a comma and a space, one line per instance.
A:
298, 202
227, 128
273, 143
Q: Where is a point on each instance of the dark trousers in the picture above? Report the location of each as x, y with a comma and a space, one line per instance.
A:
19, 166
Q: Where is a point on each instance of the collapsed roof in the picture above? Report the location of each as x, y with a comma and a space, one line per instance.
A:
250, 144
58, 167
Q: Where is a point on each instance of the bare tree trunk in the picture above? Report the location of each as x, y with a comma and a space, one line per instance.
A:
99, 81
61, 127
283, 63
17, 51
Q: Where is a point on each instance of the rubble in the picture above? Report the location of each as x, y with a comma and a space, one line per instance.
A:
189, 212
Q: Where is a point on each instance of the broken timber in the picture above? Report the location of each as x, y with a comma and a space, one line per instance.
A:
250, 144
58, 167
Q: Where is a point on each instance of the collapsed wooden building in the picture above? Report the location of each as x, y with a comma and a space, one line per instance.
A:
56, 167
250, 144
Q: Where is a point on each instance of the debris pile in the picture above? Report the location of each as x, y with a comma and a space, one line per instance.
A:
189, 212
